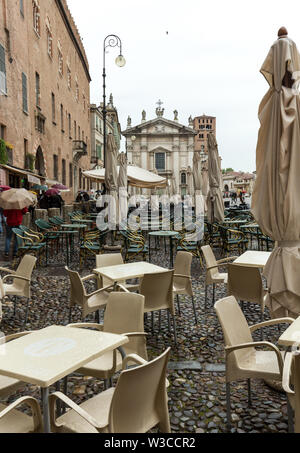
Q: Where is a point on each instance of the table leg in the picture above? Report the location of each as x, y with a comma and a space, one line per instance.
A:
68, 261
46, 414
171, 253
149, 249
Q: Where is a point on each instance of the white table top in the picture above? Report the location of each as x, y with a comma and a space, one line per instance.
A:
128, 271
46, 356
253, 258
291, 334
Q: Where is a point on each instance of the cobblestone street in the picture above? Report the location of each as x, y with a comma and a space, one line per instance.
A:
197, 398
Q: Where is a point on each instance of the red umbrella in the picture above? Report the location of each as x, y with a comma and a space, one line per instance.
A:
59, 187
52, 192
4, 188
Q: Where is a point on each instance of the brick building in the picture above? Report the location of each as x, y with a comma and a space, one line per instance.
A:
204, 125
44, 95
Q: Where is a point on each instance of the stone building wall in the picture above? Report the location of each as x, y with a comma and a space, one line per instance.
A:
26, 51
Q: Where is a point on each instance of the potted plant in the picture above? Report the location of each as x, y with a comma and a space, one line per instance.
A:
3, 152
31, 161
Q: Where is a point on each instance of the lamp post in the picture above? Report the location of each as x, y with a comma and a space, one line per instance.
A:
109, 41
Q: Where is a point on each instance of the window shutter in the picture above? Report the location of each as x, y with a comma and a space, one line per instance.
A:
24, 92
2, 71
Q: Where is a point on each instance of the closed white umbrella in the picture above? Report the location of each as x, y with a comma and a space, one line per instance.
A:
275, 200
215, 197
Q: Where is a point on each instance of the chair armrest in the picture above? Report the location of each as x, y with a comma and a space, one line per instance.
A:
287, 373
122, 287
217, 266
135, 334
35, 407
98, 291
135, 358
271, 322
227, 260
89, 277
18, 277
87, 325
229, 349
182, 276
5, 269
68, 402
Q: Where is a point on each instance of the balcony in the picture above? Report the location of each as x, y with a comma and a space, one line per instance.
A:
79, 150
40, 120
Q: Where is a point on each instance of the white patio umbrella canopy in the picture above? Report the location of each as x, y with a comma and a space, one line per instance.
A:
137, 177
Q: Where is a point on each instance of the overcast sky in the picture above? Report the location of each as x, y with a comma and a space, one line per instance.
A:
208, 62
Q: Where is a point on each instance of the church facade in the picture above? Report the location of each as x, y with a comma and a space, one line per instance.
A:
164, 146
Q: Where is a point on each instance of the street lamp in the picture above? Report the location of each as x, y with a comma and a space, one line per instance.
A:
109, 41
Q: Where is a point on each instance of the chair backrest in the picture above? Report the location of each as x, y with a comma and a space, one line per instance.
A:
77, 296
210, 260
124, 314
245, 283
106, 260
140, 399
25, 269
158, 291
183, 263
234, 325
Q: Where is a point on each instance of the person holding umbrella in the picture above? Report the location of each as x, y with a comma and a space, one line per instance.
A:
14, 203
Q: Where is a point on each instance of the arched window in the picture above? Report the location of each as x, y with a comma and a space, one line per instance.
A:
183, 179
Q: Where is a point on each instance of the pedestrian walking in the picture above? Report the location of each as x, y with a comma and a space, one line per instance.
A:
14, 218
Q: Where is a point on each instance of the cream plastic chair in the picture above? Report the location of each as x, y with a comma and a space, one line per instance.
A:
182, 283
124, 314
8, 385
112, 259
20, 286
243, 361
245, 284
137, 404
291, 378
89, 303
13, 421
213, 276
158, 292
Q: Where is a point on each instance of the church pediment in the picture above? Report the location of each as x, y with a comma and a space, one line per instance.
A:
159, 126
160, 149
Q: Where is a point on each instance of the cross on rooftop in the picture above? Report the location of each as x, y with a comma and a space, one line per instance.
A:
159, 103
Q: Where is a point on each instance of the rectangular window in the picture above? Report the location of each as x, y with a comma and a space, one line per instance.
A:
70, 125
2, 131
62, 117
160, 161
37, 90
53, 107
70, 175
24, 93
63, 170
25, 152
75, 130
22, 7
55, 167
3, 85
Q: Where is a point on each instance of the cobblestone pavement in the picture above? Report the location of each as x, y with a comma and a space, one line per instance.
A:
197, 392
